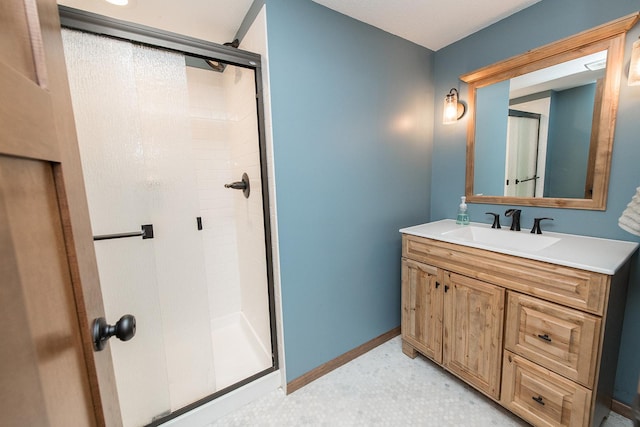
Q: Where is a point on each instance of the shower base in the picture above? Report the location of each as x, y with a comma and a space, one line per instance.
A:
237, 351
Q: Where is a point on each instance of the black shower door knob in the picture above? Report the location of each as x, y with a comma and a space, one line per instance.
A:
124, 330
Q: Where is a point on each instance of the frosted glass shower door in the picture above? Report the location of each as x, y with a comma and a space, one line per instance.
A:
158, 142
131, 109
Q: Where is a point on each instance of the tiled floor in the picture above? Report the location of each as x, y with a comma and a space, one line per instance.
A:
382, 388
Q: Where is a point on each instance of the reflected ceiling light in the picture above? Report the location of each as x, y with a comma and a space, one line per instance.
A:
596, 65
453, 110
634, 65
118, 2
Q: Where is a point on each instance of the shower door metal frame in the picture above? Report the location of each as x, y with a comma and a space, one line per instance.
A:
88, 22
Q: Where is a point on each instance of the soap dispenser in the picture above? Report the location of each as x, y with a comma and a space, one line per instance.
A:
463, 215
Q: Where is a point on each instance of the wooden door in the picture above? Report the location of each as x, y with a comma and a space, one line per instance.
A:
473, 331
523, 140
422, 309
49, 289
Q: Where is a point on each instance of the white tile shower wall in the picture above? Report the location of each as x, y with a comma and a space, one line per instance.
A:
131, 131
245, 157
255, 41
224, 127
211, 133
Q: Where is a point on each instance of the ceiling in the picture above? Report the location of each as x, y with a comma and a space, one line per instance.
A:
433, 24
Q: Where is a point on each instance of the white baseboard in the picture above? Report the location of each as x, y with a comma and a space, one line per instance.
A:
209, 412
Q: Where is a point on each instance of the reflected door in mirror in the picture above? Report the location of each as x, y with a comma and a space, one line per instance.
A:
522, 153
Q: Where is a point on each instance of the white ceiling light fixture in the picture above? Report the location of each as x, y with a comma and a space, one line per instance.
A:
596, 65
118, 2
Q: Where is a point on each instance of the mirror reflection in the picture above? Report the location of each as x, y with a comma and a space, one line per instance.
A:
534, 133
546, 131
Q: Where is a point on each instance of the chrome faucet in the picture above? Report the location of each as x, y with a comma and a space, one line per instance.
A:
515, 218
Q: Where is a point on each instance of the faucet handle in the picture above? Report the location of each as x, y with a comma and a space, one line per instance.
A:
496, 219
536, 225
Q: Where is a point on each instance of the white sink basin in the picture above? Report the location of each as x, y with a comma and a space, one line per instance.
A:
587, 253
499, 238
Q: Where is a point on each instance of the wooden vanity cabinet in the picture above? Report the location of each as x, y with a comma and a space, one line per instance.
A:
422, 298
454, 320
536, 337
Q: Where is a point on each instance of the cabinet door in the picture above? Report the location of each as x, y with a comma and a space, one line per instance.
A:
422, 308
473, 331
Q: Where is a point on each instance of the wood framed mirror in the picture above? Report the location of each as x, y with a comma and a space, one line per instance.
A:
542, 123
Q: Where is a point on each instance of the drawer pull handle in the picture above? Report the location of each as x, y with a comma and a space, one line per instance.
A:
538, 400
437, 285
544, 337
446, 288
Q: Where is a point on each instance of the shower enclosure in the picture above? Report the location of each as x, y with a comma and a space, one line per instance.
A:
173, 155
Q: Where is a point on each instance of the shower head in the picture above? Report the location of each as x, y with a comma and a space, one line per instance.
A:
216, 65
213, 64
235, 43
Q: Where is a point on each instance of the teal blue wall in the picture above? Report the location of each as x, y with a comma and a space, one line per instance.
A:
537, 25
351, 168
352, 130
491, 137
570, 121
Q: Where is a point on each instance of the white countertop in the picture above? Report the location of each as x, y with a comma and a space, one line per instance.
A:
586, 253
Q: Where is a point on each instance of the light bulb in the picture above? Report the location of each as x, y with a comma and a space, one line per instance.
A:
450, 114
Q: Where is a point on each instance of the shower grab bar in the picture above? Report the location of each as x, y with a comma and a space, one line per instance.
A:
146, 233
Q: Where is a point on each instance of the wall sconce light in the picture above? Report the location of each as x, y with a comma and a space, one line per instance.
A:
453, 110
634, 65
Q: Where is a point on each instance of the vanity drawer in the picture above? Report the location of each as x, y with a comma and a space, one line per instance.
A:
581, 289
542, 397
559, 338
